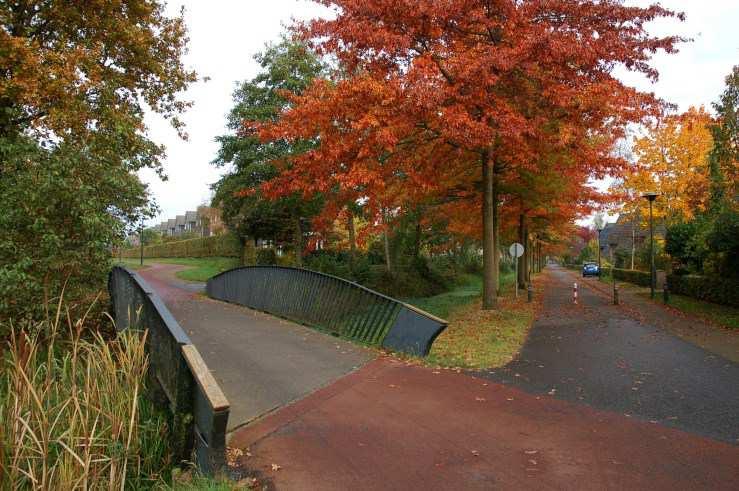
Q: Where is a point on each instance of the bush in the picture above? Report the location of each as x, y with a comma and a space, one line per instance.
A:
722, 291
225, 245
415, 279
641, 278
60, 213
266, 257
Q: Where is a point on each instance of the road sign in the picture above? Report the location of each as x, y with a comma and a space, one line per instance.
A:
516, 249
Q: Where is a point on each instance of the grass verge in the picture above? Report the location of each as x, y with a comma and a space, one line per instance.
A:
442, 305
478, 338
200, 268
721, 315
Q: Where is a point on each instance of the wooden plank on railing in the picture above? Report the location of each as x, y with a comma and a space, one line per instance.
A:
204, 378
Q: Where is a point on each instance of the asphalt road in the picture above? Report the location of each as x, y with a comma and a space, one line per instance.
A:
261, 362
598, 354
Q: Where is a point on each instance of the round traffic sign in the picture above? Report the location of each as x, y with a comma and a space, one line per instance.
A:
516, 249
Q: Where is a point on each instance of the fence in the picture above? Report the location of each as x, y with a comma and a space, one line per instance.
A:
178, 377
331, 304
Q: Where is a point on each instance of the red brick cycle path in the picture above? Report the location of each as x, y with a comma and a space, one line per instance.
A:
392, 425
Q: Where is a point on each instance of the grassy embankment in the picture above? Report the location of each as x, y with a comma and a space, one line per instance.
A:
721, 315
477, 338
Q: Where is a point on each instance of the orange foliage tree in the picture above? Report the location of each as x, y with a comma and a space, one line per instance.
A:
672, 158
458, 98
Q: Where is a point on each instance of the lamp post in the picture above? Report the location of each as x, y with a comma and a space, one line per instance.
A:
141, 242
651, 196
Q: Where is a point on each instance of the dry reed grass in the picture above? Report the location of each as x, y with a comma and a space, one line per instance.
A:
72, 411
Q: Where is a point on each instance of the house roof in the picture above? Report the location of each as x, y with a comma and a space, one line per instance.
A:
180, 220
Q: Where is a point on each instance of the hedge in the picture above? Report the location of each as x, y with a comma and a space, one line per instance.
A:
641, 278
723, 291
225, 245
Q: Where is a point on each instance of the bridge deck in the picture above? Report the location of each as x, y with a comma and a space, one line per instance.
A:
260, 361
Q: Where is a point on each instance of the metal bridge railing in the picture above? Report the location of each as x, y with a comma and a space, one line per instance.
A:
178, 377
331, 304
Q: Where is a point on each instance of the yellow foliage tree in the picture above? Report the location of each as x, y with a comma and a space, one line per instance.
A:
671, 159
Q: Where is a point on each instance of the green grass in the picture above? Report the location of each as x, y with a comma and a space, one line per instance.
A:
722, 315
201, 268
442, 305
476, 338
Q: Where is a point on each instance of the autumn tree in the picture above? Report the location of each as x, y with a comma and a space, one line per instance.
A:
76, 80
286, 67
460, 94
709, 241
672, 158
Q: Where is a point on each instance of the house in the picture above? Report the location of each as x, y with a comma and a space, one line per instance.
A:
628, 233
203, 222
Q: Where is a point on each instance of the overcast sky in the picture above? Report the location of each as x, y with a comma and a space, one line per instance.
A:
226, 34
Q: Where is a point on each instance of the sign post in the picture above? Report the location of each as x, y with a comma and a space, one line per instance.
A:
516, 251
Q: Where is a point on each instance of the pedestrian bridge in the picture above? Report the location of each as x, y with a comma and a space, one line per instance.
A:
265, 337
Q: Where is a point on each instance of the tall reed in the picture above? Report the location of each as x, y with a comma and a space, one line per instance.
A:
73, 413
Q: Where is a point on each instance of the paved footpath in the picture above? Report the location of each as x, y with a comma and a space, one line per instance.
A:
604, 356
261, 362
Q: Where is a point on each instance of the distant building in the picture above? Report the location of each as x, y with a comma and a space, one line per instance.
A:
203, 222
628, 233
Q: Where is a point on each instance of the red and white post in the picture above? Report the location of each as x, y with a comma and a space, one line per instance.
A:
574, 293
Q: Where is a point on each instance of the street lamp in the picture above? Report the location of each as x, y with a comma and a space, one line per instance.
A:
651, 196
141, 242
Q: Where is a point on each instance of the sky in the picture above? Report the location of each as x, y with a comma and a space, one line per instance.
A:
226, 34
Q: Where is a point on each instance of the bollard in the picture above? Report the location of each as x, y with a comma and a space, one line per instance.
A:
666, 294
530, 292
615, 294
574, 293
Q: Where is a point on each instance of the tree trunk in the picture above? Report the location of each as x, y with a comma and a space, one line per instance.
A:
298, 242
386, 242
522, 260
633, 244
496, 235
248, 252
489, 299
527, 248
417, 239
352, 241
388, 263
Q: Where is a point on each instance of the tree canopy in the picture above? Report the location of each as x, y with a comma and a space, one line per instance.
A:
77, 78
288, 67
459, 99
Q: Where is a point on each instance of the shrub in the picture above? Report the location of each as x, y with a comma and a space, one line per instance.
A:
225, 245
60, 213
723, 291
266, 257
641, 278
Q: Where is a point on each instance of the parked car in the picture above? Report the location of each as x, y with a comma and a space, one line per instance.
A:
590, 269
